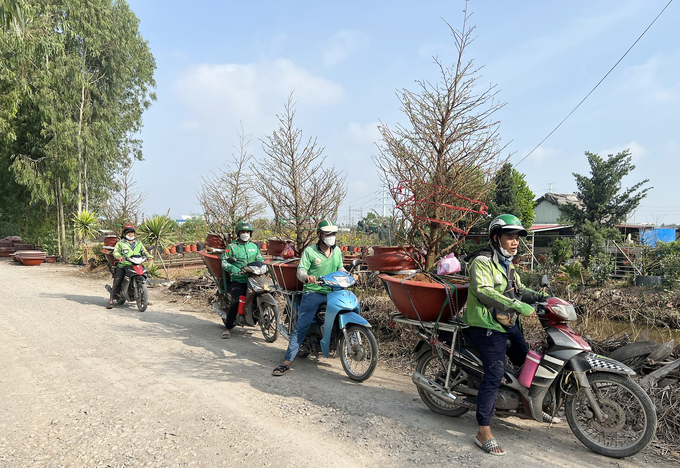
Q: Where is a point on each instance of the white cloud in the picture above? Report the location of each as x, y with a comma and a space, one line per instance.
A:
342, 45
637, 151
218, 95
645, 83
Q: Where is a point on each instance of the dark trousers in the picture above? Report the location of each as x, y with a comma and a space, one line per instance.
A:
236, 289
118, 276
493, 346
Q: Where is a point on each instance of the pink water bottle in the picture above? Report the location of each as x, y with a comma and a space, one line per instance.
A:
528, 371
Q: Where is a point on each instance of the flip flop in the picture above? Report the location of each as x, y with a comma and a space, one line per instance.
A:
282, 369
489, 446
226, 334
109, 305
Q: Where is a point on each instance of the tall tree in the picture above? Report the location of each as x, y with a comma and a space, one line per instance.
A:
298, 189
438, 165
81, 79
511, 194
603, 203
227, 197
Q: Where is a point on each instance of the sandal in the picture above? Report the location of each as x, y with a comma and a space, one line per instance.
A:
551, 419
489, 446
109, 305
226, 334
282, 369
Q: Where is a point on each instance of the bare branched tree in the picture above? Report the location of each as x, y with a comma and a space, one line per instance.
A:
296, 186
227, 197
123, 203
441, 163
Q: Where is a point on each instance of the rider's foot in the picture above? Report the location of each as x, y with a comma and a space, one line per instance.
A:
486, 441
226, 334
110, 305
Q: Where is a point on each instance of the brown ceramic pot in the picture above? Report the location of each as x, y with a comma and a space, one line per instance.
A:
415, 299
284, 274
392, 258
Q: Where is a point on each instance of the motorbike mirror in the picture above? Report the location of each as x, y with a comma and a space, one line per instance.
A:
543, 282
231, 260
355, 263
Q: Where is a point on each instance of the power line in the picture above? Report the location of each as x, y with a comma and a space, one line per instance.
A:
598, 84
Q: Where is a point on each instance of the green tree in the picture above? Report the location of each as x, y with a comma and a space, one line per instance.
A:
73, 90
511, 194
603, 203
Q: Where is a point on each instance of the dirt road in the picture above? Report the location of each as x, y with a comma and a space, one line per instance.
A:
83, 386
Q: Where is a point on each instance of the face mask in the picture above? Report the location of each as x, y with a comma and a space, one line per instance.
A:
504, 252
244, 236
130, 237
329, 241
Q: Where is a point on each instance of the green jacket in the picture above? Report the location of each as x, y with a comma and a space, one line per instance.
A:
488, 282
316, 264
244, 253
125, 248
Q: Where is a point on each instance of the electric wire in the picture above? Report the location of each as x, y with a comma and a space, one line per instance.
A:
598, 84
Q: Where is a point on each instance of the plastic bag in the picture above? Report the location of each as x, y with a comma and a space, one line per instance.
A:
448, 265
288, 251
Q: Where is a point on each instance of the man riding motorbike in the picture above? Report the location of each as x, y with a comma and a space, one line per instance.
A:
244, 252
128, 246
317, 260
496, 297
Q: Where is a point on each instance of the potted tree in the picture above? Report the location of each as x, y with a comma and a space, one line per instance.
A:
439, 169
299, 190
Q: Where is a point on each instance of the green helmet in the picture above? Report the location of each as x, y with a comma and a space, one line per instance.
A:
506, 224
326, 225
244, 226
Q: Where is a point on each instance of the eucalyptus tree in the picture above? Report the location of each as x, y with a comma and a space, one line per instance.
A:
78, 83
293, 180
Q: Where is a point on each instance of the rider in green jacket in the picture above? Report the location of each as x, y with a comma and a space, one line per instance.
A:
127, 247
244, 252
496, 299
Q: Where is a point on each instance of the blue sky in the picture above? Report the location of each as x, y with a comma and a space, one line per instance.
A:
226, 63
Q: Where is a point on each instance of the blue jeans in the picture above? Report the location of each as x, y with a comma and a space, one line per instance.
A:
306, 311
492, 346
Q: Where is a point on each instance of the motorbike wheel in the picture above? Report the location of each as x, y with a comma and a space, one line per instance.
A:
360, 362
430, 366
630, 416
269, 322
142, 296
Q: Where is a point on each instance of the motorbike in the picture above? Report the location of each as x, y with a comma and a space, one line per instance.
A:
133, 287
259, 306
337, 326
605, 409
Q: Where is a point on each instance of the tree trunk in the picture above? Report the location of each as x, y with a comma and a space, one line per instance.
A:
87, 191
81, 173
58, 197
62, 223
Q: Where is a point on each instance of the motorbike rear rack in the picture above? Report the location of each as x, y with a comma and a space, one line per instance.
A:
440, 326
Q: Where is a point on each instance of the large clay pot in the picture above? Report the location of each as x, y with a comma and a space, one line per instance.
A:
51, 259
284, 273
193, 248
110, 241
275, 247
214, 264
215, 241
416, 299
393, 258
31, 257
172, 249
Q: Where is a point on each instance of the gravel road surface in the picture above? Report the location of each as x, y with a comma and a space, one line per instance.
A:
83, 386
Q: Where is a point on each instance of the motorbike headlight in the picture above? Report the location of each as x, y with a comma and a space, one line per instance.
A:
564, 311
255, 285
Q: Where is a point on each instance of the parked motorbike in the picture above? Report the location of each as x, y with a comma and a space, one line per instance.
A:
606, 410
133, 287
337, 326
259, 305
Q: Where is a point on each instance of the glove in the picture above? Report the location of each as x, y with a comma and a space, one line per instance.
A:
524, 309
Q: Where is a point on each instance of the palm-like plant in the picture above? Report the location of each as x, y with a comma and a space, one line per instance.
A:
157, 231
85, 225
